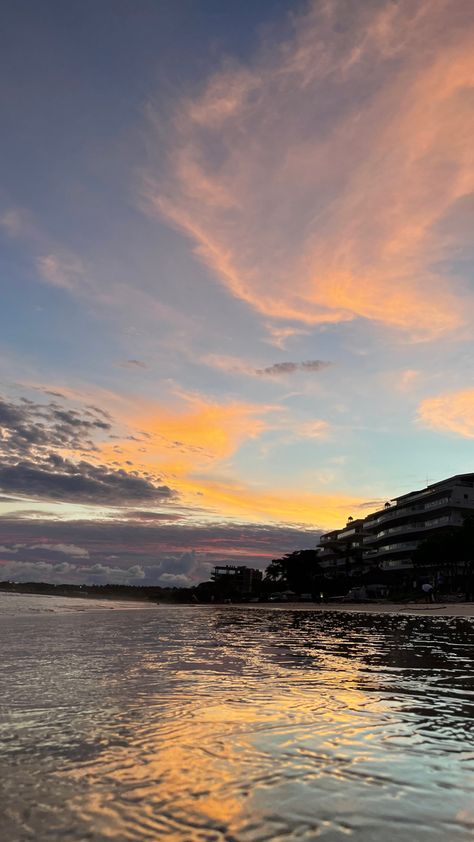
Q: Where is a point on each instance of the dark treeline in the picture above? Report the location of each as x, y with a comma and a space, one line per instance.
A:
125, 592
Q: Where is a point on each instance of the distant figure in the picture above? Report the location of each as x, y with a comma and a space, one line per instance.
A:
427, 589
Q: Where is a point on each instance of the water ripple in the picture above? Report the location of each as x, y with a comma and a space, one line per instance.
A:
237, 724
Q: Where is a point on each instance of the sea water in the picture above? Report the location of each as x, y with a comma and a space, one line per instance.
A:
234, 723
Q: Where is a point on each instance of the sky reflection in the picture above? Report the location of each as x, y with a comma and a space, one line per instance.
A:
215, 724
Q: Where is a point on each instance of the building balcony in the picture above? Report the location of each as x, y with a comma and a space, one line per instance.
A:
416, 526
399, 547
404, 511
396, 564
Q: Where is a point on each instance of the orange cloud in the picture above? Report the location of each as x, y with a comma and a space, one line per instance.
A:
194, 433
189, 444
451, 412
282, 505
337, 156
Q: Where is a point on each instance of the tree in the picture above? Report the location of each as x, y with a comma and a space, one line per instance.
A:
299, 571
450, 552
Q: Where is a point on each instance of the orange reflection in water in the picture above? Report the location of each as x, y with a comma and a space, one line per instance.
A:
195, 766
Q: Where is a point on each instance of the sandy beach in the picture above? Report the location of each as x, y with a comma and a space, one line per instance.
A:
436, 609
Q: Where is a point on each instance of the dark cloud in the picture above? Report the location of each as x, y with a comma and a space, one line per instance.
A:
31, 434
167, 553
133, 364
291, 368
80, 482
135, 514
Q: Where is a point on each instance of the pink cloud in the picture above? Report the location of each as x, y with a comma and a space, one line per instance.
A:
315, 181
450, 412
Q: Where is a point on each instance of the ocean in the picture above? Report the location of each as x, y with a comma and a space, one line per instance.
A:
233, 723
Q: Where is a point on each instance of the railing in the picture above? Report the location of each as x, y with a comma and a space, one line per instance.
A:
402, 546
401, 511
421, 526
396, 564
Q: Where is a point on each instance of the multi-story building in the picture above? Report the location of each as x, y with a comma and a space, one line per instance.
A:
242, 581
386, 539
341, 549
391, 535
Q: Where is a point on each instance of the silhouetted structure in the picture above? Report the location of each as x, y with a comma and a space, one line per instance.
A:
392, 535
241, 581
341, 550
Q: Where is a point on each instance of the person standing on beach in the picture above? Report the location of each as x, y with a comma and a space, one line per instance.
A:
427, 589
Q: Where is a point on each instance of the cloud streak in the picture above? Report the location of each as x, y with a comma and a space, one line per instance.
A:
318, 181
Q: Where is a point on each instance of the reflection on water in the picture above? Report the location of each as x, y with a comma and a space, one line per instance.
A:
237, 724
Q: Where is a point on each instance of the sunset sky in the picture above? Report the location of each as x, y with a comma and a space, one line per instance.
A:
237, 252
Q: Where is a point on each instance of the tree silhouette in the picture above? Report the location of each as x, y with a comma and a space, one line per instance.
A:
298, 571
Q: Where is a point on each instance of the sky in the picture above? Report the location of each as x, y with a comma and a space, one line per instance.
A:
236, 276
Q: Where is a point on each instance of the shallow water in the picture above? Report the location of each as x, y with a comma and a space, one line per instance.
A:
236, 724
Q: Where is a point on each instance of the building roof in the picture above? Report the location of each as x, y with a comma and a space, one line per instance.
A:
436, 485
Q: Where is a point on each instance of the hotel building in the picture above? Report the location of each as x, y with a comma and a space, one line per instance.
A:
389, 536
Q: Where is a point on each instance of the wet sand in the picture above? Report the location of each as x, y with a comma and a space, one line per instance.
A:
435, 609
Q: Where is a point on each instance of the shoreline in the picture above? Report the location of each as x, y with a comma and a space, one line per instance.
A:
434, 609
46, 603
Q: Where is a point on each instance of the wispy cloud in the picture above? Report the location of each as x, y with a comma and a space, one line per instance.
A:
318, 181
61, 271
450, 412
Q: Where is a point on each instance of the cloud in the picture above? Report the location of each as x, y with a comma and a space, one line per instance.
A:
27, 428
151, 553
316, 180
191, 433
68, 549
16, 222
278, 369
313, 429
133, 364
235, 365
279, 335
44, 571
62, 271
451, 412
408, 379
81, 482
103, 574
172, 580
41, 446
